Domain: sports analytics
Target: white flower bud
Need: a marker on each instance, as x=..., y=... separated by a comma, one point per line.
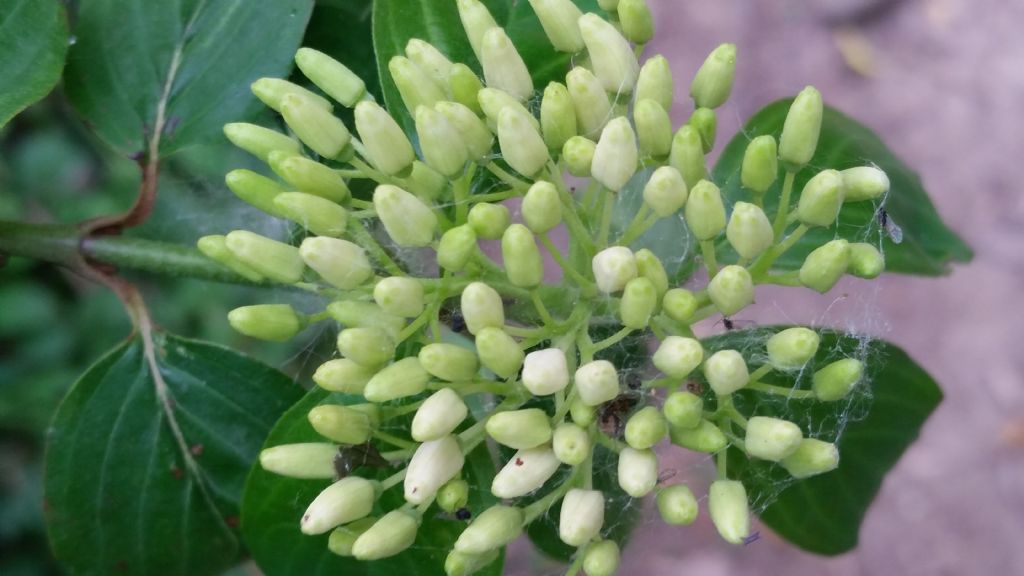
x=727, y=503
x=613, y=268
x=527, y=471
x=504, y=68
x=387, y=146
x=616, y=155
x=589, y=100
x=438, y=416
x=494, y=528
x=434, y=463
x=582, y=516
x=520, y=429
x=481, y=307
x=399, y=296
x=726, y=372
x=476, y=20
x=666, y=191
x=348, y=499
x=771, y=438
x=392, y=534
x=792, y=348
x=309, y=461
x=405, y=377
x=430, y=60
x=408, y=221
x=571, y=444
x=339, y=262
x=597, y=382
x=521, y=143
x=545, y=371
x=811, y=458
x=442, y=145
x=638, y=471
x=559, y=19
x=474, y=133
x=614, y=62
x=864, y=183
x=749, y=230
x=678, y=356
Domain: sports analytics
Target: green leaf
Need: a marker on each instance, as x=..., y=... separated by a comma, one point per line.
x=928, y=246
x=181, y=69
x=874, y=427
x=272, y=506
x=33, y=41
x=140, y=482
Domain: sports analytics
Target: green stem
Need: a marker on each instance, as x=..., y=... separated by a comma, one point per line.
x=609, y=442
x=783, y=210
x=781, y=391
x=394, y=479
x=607, y=209
x=362, y=236
x=461, y=193
x=611, y=340
x=707, y=249
x=765, y=261
x=560, y=259
x=393, y=440
x=538, y=303
x=507, y=178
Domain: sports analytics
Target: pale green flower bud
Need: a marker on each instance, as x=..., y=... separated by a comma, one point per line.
x=344, y=501
x=645, y=428
x=271, y=91
x=391, y=535
x=678, y=356
x=387, y=146
x=275, y=260
x=613, y=268
x=527, y=471
x=578, y=154
x=400, y=296
x=438, y=416
x=865, y=261
x=749, y=230
x=331, y=76
x=731, y=290
x=456, y=247
x=356, y=314
x=649, y=266
x=864, y=183
x=545, y=371
x=666, y=191
x=308, y=461
x=274, y=322
x=415, y=86
x=366, y=346
x=492, y=529
x=687, y=155
x=318, y=215
x=582, y=516
x=254, y=189
x=772, y=438
x=504, y=68
x=520, y=429
x=801, y=129
x=677, y=506
x=493, y=101
x=571, y=444
x=821, y=199
x=481, y=307
x=825, y=265
x=705, y=437
x=557, y=116
x=636, y=20
x=425, y=182
x=582, y=413
x=655, y=82
x=653, y=128
x=308, y=176
x=683, y=410
x=405, y=377
x=559, y=19
x=613, y=59
x=472, y=130
x=541, y=208
x=407, y=219
x=340, y=262
x=324, y=133
x=834, y=382
x=465, y=86
x=442, y=145
x=706, y=123
x=811, y=458
x=215, y=248
x=449, y=362
x=523, y=263
x=760, y=164
x=601, y=558
x=343, y=538
x=476, y=20
x=343, y=375
x=453, y=495
x=726, y=372
x=499, y=352
x=713, y=82
x=489, y=221
x=459, y=564
x=727, y=503
x=589, y=100
x=639, y=301
x=521, y=144
x=679, y=304
x=345, y=424
x=430, y=60
x=638, y=471
x=792, y=348
x=432, y=465
x=597, y=382
x=260, y=141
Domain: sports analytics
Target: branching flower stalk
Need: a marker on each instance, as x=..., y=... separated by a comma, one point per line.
x=606, y=126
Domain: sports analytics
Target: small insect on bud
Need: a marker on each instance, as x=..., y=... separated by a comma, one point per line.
x=582, y=414
x=353, y=313
x=655, y=82
x=589, y=100
x=726, y=372
x=442, y=145
x=865, y=261
x=489, y=221
x=318, y=215
x=459, y=564
x=343, y=538
x=771, y=438
x=824, y=266
x=472, y=130
x=792, y=348
x=687, y=156
x=275, y=260
x=465, y=86
x=679, y=304
x=864, y=183
x=648, y=266
x=438, y=416
x=259, y=141
x=493, y=101
x=449, y=361
x=645, y=428
x=453, y=495
x=343, y=375
x=571, y=444
x=834, y=382
x=366, y=346
x=520, y=429
x=476, y=21
x=215, y=248
x=316, y=127
x=481, y=307
x=545, y=371
x=712, y=84
x=821, y=199
x=811, y=458
x=434, y=463
x=582, y=516
x=683, y=410
x=613, y=59
x=399, y=296
x=653, y=127
x=559, y=19
x=527, y=471
x=578, y=154
x=705, y=212
x=613, y=268
x=340, y=262
x=636, y=20
x=760, y=164
x=271, y=91
x=346, y=500
x=390, y=535
x=557, y=117
x=727, y=503
x=638, y=471
x=523, y=263
x=274, y=322
x=665, y=192
x=309, y=461
x=749, y=230
x=415, y=86
x=706, y=123
x=255, y=189
x=639, y=301
x=345, y=424
x=597, y=382
x=521, y=144
x=492, y=529
x=504, y=68
x=677, y=506
x=705, y=437
x=731, y=290
x=801, y=129
x=309, y=176
x=677, y=356
x=499, y=352
x=430, y=60
x=456, y=247
x=387, y=146
x=408, y=221
x=542, y=209
x=405, y=377
x=331, y=76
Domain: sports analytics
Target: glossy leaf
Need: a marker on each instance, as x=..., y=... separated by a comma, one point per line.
x=138, y=482
x=33, y=41
x=192, y=60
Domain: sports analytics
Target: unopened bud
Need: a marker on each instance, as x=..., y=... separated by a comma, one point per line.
x=415, y=86
x=459, y=564
x=425, y=182
x=834, y=382
x=864, y=183
x=318, y=215
x=520, y=429
x=442, y=145
x=541, y=208
x=666, y=191
x=601, y=558
x=645, y=428
x=405, y=377
x=493, y=101
x=492, y=529
x=749, y=230
x=649, y=266
x=340, y=262
x=465, y=87
x=726, y=372
x=271, y=91
x=434, y=463
x=653, y=128
x=453, y=495
x=499, y=352
x=476, y=21
x=597, y=382
x=308, y=461
x=727, y=504
x=255, y=189
x=343, y=375
x=389, y=536
x=456, y=247
x=504, y=68
x=481, y=307
x=613, y=268
x=309, y=176
x=821, y=199
x=589, y=100
x=731, y=290
x=582, y=414
x=344, y=501
x=638, y=471
x=545, y=371
x=557, y=116
x=399, y=296
x=438, y=416
x=792, y=348
x=345, y=424
x=801, y=129
x=489, y=221
x=331, y=76
x=571, y=444
x=705, y=437
x=581, y=517
x=578, y=154
x=275, y=260
x=324, y=133
x=811, y=458
x=639, y=301
x=430, y=60
x=449, y=361
x=705, y=212
x=523, y=263
x=387, y=146
x=366, y=346
x=259, y=141
x=760, y=164
x=343, y=538
x=824, y=266
x=678, y=356
x=677, y=506
x=472, y=130
x=521, y=144
x=408, y=221
x=354, y=313
x=274, y=322
x=679, y=304
x=706, y=123
x=655, y=82
x=636, y=20
x=865, y=261
x=713, y=82
x=683, y=410
x=559, y=19
x=771, y=438
x=613, y=59
x=215, y=248
x=527, y=471
x=687, y=155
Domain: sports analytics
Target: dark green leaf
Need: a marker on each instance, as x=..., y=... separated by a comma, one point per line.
x=874, y=426
x=33, y=41
x=928, y=246
x=273, y=505
x=194, y=60
x=126, y=493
